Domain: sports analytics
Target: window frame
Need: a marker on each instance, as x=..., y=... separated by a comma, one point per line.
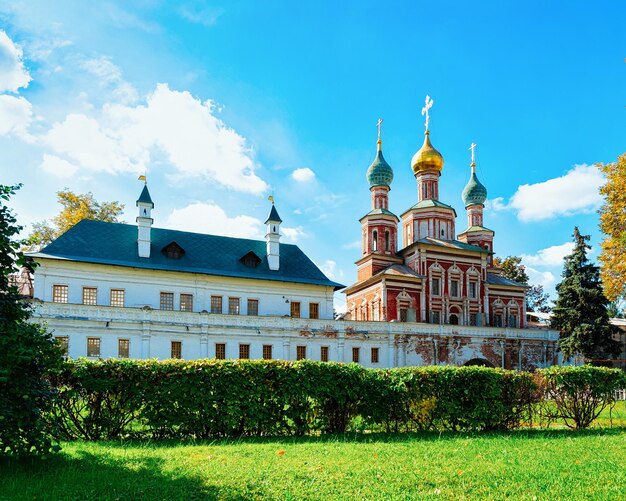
x=268, y=351
x=188, y=298
x=62, y=298
x=122, y=293
x=231, y=303
x=85, y=299
x=220, y=351
x=356, y=354
x=64, y=344
x=179, y=345
x=248, y=303
x=293, y=305
x=314, y=311
x=324, y=353
x=216, y=300
x=300, y=352
x=375, y=355
x=244, y=351
x=120, y=342
x=97, y=342
x=164, y=300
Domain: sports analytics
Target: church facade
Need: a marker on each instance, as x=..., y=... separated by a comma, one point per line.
x=135, y=291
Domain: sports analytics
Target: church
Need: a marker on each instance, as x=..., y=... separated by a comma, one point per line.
x=138, y=291
x=437, y=276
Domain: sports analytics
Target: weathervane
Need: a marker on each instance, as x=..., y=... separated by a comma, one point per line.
x=427, y=106
x=473, y=148
x=379, y=125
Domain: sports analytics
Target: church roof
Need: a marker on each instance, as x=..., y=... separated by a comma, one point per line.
x=477, y=228
x=378, y=212
x=424, y=204
x=273, y=216
x=450, y=244
x=380, y=172
x=398, y=271
x=115, y=244
x=494, y=279
x=145, y=196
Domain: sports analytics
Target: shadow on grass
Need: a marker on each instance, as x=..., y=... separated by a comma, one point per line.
x=379, y=437
x=88, y=476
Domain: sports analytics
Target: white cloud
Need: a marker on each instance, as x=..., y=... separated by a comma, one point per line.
x=303, y=175
x=110, y=76
x=495, y=204
x=212, y=219
x=293, y=234
x=551, y=256
x=329, y=268
x=13, y=74
x=58, y=167
x=15, y=116
x=575, y=192
x=545, y=278
x=124, y=138
x=355, y=244
x=200, y=14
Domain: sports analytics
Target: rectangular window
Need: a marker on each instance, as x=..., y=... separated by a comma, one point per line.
x=93, y=346
x=177, y=349
x=216, y=304
x=167, y=300
x=314, y=310
x=324, y=354
x=435, y=317
x=436, y=287
x=220, y=351
x=512, y=320
x=90, y=296
x=497, y=320
x=63, y=343
x=123, y=348
x=186, y=302
x=253, y=307
x=472, y=289
x=404, y=314
x=473, y=319
x=244, y=351
x=295, y=309
x=454, y=288
x=59, y=293
x=267, y=351
x=117, y=297
x=300, y=352
x=355, y=354
x=374, y=355
x=233, y=306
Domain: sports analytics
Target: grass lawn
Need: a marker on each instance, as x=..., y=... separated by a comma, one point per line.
x=525, y=464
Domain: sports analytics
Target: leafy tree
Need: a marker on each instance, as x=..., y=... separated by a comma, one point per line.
x=75, y=208
x=615, y=309
x=513, y=269
x=27, y=352
x=537, y=299
x=580, y=313
x=613, y=225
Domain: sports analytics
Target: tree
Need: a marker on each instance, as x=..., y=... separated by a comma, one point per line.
x=27, y=352
x=613, y=225
x=615, y=309
x=513, y=269
x=75, y=208
x=580, y=313
x=537, y=299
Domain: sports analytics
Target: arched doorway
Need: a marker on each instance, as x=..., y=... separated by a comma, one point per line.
x=481, y=362
x=454, y=320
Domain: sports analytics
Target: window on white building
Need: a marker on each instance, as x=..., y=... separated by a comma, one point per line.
x=90, y=295
x=324, y=353
x=253, y=307
x=374, y=355
x=314, y=310
x=356, y=352
x=123, y=348
x=93, y=346
x=167, y=300
x=63, y=342
x=117, y=297
x=295, y=309
x=267, y=351
x=233, y=306
x=59, y=293
x=177, y=349
x=186, y=302
x=244, y=351
x=220, y=351
x=216, y=304
x=300, y=352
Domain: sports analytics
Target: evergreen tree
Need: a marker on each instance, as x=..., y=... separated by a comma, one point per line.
x=27, y=352
x=580, y=313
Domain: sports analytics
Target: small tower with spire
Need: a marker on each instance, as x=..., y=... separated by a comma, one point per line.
x=428, y=218
x=379, y=227
x=272, y=238
x=144, y=220
x=474, y=196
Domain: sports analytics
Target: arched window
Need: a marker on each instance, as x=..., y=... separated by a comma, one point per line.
x=374, y=240
x=387, y=240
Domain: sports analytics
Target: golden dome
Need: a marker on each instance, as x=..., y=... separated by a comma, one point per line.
x=427, y=158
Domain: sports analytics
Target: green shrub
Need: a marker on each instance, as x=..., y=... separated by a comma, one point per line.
x=578, y=395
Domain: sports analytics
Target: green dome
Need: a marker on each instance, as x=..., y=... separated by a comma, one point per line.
x=380, y=172
x=474, y=192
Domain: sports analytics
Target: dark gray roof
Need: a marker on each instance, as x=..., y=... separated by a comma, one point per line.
x=145, y=196
x=116, y=244
x=273, y=216
x=494, y=279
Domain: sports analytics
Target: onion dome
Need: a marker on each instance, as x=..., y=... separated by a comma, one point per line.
x=474, y=192
x=380, y=172
x=427, y=158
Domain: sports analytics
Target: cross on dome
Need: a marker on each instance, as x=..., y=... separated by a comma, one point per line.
x=473, y=149
x=427, y=106
x=379, y=125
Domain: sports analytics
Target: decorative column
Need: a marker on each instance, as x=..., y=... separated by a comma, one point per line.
x=145, y=339
x=286, y=348
x=390, y=351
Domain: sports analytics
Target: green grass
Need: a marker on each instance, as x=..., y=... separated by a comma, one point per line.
x=526, y=464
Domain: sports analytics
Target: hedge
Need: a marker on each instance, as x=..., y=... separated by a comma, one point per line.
x=113, y=398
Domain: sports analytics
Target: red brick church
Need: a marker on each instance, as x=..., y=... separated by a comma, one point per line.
x=438, y=276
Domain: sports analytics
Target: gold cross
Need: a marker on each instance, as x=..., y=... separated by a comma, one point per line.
x=427, y=106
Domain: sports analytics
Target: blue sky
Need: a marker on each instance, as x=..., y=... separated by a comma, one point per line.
x=224, y=103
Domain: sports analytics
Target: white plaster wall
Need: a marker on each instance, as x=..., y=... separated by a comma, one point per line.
x=143, y=288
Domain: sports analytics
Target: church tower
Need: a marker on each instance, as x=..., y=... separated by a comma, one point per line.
x=428, y=218
x=144, y=220
x=379, y=227
x=474, y=196
x=272, y=238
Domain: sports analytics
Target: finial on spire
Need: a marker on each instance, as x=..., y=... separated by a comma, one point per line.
x=473, y=149
x=271, y=198
x=144, y=178
x=379, y=126
x=427, y=106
